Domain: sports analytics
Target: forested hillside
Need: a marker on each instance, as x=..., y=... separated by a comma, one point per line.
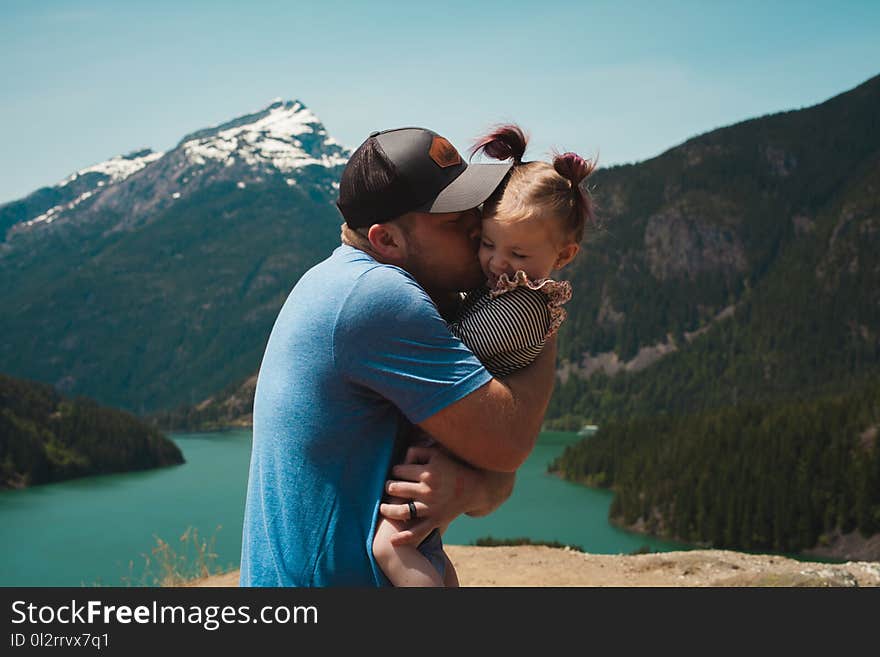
x=45, y=437
x=741, y=265
x=159, y=287
x=753, y=476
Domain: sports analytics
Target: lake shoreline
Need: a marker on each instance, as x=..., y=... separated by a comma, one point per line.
x=836, y=547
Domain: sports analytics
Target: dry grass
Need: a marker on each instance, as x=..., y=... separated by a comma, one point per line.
x=192, y=558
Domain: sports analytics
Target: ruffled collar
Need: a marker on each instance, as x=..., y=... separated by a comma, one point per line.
x=557, y=293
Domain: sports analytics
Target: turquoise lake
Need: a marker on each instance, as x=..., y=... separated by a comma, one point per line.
x=99, y=530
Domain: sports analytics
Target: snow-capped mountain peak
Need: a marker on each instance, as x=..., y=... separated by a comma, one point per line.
x=117, y=168
x=85, y=183
x=284, y=141
x=285, y=136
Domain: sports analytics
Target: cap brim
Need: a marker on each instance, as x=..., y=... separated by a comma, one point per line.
x=472, y=187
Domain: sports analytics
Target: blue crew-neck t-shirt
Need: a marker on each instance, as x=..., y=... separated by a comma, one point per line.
x=357, y=349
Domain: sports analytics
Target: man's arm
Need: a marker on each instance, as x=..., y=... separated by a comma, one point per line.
x=495, y=427
x=443, y=487
x=420, y=367
x=492, y=490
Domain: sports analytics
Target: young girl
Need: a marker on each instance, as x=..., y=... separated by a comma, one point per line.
x=532, y=225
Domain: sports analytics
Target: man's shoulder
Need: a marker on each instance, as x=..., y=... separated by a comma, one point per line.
x=365, y=291
x=373, y=280
x=347, y=272
x=352, y=263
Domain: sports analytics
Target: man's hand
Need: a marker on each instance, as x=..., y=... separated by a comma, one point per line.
x=441, y=488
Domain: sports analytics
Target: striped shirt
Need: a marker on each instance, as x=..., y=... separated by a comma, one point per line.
x=506, y=333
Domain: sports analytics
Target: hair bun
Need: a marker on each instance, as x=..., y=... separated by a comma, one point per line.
x=573, y=167
x=503, y=143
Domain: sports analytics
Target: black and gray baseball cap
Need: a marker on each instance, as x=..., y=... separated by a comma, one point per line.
x=411, y=170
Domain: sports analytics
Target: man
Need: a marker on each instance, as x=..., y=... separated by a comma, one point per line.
x=359, y=349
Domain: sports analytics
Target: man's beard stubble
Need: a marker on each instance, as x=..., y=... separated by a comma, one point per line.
x=437, y=281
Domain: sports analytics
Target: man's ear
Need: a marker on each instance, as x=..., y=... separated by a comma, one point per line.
x=388, y=241
x=566, y=255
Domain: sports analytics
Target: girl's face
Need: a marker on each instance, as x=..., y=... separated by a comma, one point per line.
x=531, y=245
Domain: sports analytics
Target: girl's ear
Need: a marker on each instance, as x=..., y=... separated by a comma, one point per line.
x=388, y=241
x=566, y=255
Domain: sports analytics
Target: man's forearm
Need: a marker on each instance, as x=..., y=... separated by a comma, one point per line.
x=532, y=387
x=493, y=489
x=495, y=426
x=478, y=492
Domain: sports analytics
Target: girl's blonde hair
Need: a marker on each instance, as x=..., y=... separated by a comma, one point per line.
x=539, y=188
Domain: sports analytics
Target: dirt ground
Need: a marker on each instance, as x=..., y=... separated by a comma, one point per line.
x=544, y=566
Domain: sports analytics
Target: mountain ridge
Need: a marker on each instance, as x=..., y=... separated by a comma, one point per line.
x=696, y=238
x=687, y=268
x=774, y=197
x=125, y=291
x=284, y=137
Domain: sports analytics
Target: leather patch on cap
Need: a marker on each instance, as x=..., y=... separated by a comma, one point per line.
x=444, y=153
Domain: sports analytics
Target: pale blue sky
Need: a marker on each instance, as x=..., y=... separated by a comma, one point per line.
x=83, y=81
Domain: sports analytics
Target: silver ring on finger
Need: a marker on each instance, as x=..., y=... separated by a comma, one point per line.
x=413, y=512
